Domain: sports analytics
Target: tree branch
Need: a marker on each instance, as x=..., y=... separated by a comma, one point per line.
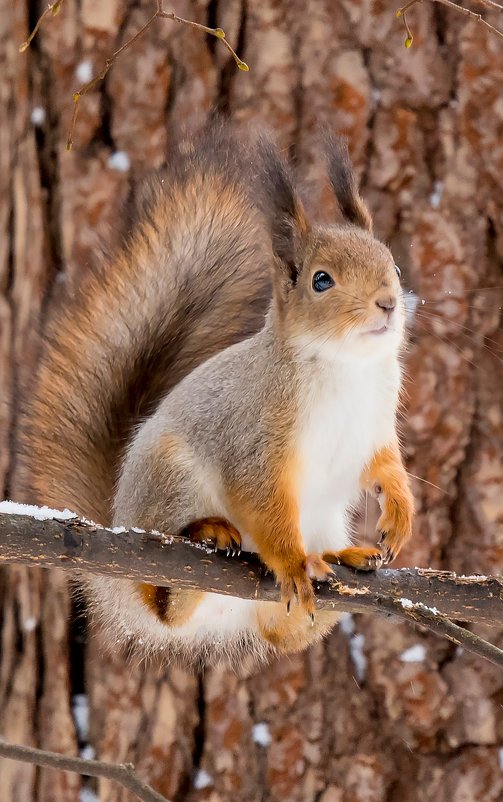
x=123, y=773
x=429, y=617
x=159, y=13
x=425, y=596
x=401, y=14
x=55, y=8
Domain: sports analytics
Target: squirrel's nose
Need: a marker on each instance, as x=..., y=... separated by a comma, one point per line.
x=386, y=303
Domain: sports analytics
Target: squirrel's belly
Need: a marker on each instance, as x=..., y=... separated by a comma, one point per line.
x=326, y=496
x=333, y=449
x=323, y=524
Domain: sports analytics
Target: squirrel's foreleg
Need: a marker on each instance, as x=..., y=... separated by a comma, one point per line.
x=386, y=479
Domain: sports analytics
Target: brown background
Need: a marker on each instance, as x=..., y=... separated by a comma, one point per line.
x=429, y=730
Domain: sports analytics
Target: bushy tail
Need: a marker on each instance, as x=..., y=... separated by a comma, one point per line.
x=191, y=279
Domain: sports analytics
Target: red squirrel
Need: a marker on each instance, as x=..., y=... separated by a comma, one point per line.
x=233, y=374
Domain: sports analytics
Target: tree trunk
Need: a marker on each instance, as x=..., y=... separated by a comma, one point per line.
x=353, y=719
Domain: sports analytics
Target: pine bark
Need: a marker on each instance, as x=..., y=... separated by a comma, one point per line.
x=425, y=129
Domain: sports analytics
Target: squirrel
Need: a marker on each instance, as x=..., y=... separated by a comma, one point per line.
x=233, y=374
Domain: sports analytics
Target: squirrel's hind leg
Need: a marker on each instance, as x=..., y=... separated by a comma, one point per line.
x=173, y=607
x=160, y=488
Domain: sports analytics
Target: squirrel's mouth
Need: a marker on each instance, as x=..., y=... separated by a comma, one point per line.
x=380, y=330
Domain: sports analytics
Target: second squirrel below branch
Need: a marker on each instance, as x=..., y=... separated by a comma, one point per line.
x=173, y=395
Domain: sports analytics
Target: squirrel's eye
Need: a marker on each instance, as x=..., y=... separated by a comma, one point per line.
x=398, y=271
x=322, y=281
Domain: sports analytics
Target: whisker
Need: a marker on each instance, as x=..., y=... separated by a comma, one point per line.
x=451, y=344
x=420, y=479
x=355, y=297
x=494, y=350
x=350, y=329
x=449, y=295
x=447, y=320
x=320, y=340
x=352, y=317
x=460, y=300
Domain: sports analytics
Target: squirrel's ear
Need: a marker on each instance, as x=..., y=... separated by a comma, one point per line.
x=342, y=178
x=283, y=208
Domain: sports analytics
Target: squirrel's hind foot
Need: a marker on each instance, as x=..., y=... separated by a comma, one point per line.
x=218, y=531
x=358, y=557
x=300, y=585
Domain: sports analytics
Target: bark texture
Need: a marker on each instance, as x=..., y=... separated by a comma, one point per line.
x=165, y=560
x=426, y=132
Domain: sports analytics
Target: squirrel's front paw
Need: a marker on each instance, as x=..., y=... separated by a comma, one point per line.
x=299, y=582
x=395, y=524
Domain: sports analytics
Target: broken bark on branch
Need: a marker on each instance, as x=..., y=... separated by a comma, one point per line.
x=425, y=596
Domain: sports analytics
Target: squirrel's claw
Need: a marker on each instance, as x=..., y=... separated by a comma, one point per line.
x=394, y=527
x=362, y=559
x=317, y=568
x=390, y=542
x=388, y=554
x=299, y=584
x=217, y=531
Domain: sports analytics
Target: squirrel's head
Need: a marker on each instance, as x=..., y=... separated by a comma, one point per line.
x=337, y=288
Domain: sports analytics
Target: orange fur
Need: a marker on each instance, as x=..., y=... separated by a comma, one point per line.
x=273, y=522
x=173, y=607
x=215, y=530
x=386, y=479
x=292, y=631
x=363, y=559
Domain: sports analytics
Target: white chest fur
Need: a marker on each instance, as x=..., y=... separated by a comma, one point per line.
x=348, y=413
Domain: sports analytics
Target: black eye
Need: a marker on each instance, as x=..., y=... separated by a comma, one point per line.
x=398, y=271
x=322, y=281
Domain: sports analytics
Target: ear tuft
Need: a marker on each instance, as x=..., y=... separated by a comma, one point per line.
x=342, y=178
x=283, y=208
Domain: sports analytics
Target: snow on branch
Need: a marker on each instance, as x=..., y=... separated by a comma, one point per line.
x=44, y=537
x=47, y=538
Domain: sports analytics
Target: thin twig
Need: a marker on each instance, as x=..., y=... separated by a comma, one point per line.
x=122, y=773
x=92, y=83
x=55, y=8
x=468, y=13
x=159, y=13
x=430, y=618
x=491, y=4
x=401, y=14
x=219, y=33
